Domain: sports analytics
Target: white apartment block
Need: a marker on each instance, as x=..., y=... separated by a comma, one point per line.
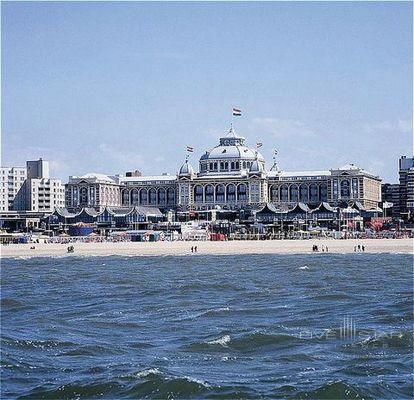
x=30, y=188
x=43, y=194
x=12, y=190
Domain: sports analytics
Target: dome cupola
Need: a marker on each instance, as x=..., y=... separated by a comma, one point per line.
x=186, y=169
x=231, y=156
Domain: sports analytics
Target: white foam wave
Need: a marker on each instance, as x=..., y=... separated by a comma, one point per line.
x=146, y=372
x=223, y=341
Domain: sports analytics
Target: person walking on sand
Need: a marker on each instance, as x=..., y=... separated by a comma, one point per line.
x=355, y=249
x=195, y=249
x=192, y=249
x=359, y=247
x=363, y=248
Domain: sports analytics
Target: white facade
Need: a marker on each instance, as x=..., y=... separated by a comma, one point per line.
x=12, y=193
x=92, y=191
x=231, y=176
x=44, y=195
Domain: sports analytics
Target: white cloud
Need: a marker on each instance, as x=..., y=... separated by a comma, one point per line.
x=281, y=128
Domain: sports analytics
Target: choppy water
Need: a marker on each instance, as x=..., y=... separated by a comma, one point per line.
x=207, y=327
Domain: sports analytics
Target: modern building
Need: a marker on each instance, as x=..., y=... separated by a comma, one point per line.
x=391, y=198
x=406, y=175
x=26, y=194
x=12, y=190
x=43, y=194
x=231, y=176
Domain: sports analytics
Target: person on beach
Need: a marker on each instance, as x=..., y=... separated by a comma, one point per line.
x=195, y=249
x=355, y=249
x=192, y=249
x=363, y=248
x=359, y=247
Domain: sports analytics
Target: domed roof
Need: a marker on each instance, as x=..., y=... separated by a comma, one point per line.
x=256, y=167
x=186, y=169
x=231, y=147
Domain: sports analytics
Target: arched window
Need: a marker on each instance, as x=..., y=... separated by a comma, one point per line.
x=221, y=165
x=134, y=197
x=242, y=192
x=274, y=193
x=226, y=165
x=323, y=192
x=284, y=193
x=170, y=196
x=294, y=193
x=303, y=193
x=215, y=166
x=209, y=193
x=244, y=165
x=237, y=165
x=313, y=189
x=220, y=193
x=232, y=165
x=125, y=197
x=345, y=188
x=152, y=197
x=161, y=197
x=231, y=192
x=143, y=197
x=198, y=194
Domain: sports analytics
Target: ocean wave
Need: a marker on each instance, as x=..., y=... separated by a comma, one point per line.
x=147, y=383
x=333, y=390
x=249, y=342
x=35, y=344
x=206, y=313
x=399, y=339
x=90, y=350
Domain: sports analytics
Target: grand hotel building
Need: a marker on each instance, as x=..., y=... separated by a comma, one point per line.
x=231, y=176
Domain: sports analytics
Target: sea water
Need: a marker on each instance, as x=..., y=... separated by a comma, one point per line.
x=250, y=326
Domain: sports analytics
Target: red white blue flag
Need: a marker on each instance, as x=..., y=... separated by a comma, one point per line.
x=190, y=149
x=236, y=112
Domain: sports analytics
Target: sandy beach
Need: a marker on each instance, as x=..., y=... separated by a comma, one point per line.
x=219, y=248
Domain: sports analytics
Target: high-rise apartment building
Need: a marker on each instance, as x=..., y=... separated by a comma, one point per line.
x=43, y=193
x=12, y=190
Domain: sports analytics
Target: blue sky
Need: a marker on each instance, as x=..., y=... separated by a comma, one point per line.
x=110, y=87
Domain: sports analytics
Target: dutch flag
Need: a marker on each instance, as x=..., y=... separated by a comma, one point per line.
x=236, y=112
x=259, y=144
x=190, y=149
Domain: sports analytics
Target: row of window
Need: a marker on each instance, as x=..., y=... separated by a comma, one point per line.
x=224, y=165
x=302, y=193
x=148, y=197
x=220, y=193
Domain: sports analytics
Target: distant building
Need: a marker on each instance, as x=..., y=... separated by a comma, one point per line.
x=92, y=191
x=391, y=198
x=231, y=176
x=133, y=173
x=43, y=194
x=406, y=174
x=12, y=190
